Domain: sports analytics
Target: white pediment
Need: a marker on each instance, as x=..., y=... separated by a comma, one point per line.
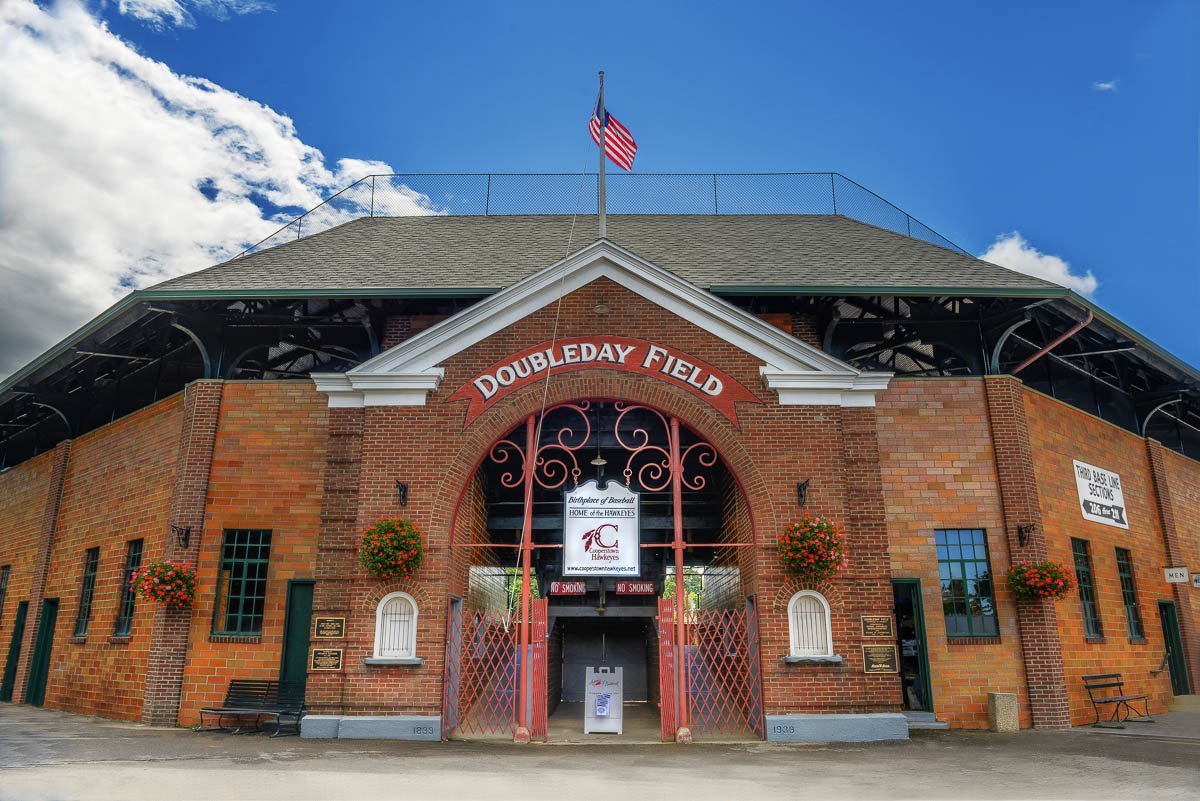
x=799, y=373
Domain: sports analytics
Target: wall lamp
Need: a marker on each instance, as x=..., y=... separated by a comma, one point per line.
x=802, y=492
x=402, y=492
x=183, y=535
x=1024, y=532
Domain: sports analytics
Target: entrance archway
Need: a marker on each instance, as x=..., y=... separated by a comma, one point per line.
x=690, y=660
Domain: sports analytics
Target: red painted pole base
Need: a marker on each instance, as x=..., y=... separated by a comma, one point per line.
x=683, y=736
x=521, y=735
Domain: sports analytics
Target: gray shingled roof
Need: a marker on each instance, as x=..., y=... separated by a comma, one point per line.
x=399, y=253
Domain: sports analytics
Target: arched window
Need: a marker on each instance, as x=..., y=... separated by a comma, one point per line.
x=808, y=623
x=396, y=627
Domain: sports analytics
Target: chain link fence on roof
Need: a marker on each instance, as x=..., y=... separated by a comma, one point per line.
x=506, y=194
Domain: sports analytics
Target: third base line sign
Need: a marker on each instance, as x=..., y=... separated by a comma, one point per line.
x=1100, y=497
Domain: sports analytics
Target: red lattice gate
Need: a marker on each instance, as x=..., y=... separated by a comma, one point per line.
x=482, y=668
x=723, y=690
x=481, y=672
x=538, y=643
x=666, y=669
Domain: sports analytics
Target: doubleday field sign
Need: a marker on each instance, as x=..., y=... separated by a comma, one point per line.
x=601, y=531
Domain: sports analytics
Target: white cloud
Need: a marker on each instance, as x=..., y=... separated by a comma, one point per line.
x=1011, y=250
x=103, y=155
x=1104, y=86
x=178, y=13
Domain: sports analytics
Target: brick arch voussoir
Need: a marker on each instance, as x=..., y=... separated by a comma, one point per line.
x=370, y=600
x=505, y=416
x=832, y=591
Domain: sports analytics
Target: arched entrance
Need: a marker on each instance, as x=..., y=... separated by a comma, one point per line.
x=540, y=570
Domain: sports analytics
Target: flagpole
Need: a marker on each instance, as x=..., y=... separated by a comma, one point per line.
x=603, y=127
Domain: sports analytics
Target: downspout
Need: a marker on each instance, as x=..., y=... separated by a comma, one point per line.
x=1084, y=323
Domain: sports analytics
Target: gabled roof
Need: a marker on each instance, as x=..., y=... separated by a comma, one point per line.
x=802, y=253
x=799, y=372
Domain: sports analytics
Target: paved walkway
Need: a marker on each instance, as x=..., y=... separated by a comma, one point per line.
x=53, y=755
x=1181, y=723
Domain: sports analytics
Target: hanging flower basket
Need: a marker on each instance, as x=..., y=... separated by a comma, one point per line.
x=813, y=549
x=392, y=548
x=1033, y=581
x=171, y=584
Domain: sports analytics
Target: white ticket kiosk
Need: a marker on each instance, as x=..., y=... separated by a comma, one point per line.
x=604, y=700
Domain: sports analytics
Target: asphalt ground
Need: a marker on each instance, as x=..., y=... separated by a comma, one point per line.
x=53, y=755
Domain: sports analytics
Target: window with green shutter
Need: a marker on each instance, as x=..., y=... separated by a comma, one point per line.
x=91, y=561
x=968, y=600
x=1087, y=588
x=1133, y=615
x=242, y=582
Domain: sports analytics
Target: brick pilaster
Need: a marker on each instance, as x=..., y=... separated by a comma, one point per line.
x=400, y=327
x=1041, y=645
x=41, y=568
x=869, y=577
x=807, y=329
x=1176, y=555
x=396, y=329
x=169, y=633
x=336, y=545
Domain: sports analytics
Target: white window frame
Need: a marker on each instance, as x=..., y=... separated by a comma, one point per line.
x=412, y=644
x=794, y=648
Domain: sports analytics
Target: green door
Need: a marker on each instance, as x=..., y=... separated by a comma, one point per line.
x=916, y=693
x=39, y=668
x=14, y=652
x=1175, y=661
x=296, y=627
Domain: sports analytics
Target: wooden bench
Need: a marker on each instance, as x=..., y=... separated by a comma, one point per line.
x=1099, y=685
x=258, y=701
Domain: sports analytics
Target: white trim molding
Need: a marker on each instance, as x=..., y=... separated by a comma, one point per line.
x=798, y=372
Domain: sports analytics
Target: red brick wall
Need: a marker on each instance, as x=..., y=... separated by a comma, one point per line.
x=1059, y=434
x=23, y=491
x=939, y=472
x=118, y=488
x=1182, y=491
x=267, y=471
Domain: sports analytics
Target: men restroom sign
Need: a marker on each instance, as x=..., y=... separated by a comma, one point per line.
x=601, y=531
x=1100, y=497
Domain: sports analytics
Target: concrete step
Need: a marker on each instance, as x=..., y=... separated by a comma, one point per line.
x=924, y=721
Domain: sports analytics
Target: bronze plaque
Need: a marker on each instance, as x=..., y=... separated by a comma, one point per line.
x=326, y=659
x=880, y=659
x=877, y=626
x=329, y=628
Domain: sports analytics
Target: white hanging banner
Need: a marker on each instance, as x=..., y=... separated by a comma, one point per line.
x=1100, y=496
x=601, y=531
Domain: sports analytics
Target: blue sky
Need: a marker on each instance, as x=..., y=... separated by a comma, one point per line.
x=1072, y=123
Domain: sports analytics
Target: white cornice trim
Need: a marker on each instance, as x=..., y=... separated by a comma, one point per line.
x=799, y=372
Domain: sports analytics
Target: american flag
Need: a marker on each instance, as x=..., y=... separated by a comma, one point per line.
x=618, y=142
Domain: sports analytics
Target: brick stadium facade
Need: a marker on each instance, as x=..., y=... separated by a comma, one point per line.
x=895, y=459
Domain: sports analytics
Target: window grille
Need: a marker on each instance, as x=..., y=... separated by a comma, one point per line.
x=242, y=582
x=90, y=562
x=396, y=627
x=1133, y=615
x=133, y=560
x=1087, y=588
x=968, y=599
x=808, y=623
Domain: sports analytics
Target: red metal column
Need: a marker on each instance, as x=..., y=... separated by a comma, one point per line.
x=683, y=734
x=521, y=735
